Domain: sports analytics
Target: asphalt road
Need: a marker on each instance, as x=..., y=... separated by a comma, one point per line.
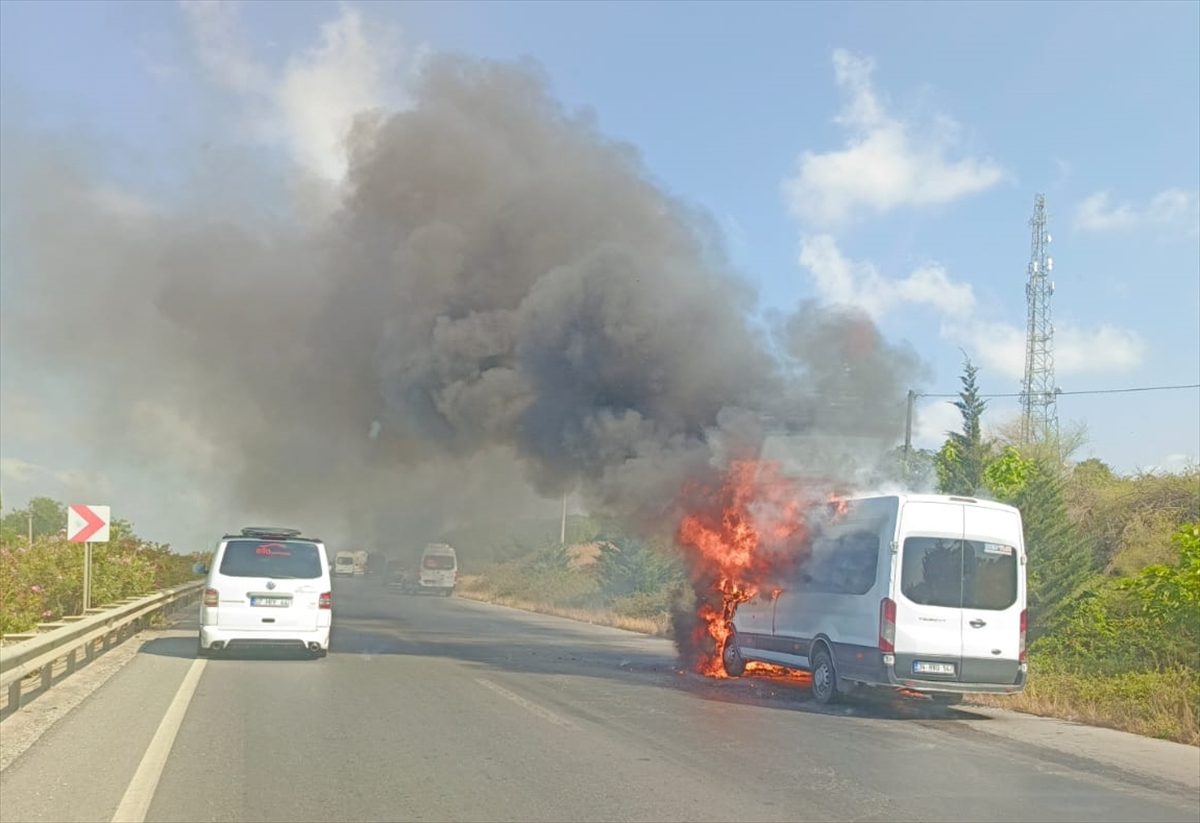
x=444, y=709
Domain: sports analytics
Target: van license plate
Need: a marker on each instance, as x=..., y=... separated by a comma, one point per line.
x=921, y=667
x=270, y=601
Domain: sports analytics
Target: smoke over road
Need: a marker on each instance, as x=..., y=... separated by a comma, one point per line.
x=500, y=286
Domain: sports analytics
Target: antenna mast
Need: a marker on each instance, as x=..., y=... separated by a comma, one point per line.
x=1039, y=395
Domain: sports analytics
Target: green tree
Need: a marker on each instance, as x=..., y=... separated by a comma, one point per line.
x=627, y=566
x=1060, y=561
x=1093, y=472
x=962, y=459
x=49, y=518
x=1008, y=473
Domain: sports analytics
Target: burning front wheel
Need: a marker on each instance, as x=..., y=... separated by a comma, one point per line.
x=731, y=658
x=824, y=677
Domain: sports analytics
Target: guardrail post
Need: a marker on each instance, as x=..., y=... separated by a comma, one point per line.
x=14, y=694
x=47, y=676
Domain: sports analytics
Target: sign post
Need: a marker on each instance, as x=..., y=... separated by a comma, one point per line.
x=88, y=525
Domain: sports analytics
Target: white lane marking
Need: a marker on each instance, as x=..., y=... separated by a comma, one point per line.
x=528, y=705
x=136, y=802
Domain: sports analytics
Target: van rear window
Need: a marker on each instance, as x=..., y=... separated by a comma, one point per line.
x=959, y=573
x=258, y=558
x=441, y=562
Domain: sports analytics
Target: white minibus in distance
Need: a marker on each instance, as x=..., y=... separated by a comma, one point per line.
x=439, y=569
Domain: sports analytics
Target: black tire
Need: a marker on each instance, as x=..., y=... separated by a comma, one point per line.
x=824, y=677
x=447, y=592
x=731, y=657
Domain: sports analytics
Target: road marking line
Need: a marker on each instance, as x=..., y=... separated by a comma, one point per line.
x=528, y=705
x=136, y=801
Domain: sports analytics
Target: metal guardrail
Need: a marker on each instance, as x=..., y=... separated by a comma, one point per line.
x=40, y=654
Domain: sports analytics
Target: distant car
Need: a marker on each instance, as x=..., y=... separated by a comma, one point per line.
x=439, y=569
x=267, y=587
x=343, y=564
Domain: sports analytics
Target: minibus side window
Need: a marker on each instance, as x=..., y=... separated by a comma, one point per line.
x=847, y=564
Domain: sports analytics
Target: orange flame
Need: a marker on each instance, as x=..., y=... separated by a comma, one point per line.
x=741, y=535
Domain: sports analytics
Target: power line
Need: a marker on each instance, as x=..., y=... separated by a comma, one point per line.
x=1086, y=391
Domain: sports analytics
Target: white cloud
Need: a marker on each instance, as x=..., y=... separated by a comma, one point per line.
x=886, y=163
x=1170, y=207
x=998, y=346
x=931, y=421
x=1077, y=351
x=841, y=280
x=23, y=480
x=322, y=90
x=308, y=105
x=216, y=28
x=16, y=470
x=1175, y=463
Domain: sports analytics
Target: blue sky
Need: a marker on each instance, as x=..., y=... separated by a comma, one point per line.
x=881, y=154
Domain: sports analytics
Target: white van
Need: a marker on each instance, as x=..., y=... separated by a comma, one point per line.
x=343, y=564
x=267, y=587
x=923, y=592
x=439, y=569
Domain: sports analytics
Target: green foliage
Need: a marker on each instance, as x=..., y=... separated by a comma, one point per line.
x=49, y=518
x=1060, y=562
x=1093, y=472
x=962, y=459
x=626, y=566
x=1128, y=521
x=45, y=581
x=1148, y=620
x=1008, y=474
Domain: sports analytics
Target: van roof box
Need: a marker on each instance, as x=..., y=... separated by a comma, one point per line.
x=268, y=532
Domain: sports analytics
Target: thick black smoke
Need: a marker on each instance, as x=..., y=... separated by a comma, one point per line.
x=501, y=286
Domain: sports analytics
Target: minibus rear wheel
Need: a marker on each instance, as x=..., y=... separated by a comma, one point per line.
x=824, y=676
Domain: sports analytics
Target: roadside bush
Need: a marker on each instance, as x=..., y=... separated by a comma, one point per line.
x=1145, y=622
x=44, y=582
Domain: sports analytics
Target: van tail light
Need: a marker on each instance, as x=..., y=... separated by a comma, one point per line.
x=1024, y=629
x=211, y=598
x=887, y=625
x=326, y=601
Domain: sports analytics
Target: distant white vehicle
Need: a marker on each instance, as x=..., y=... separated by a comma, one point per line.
x=439, y=569
x=924, y=592
x=343, y=564
x=267, y=587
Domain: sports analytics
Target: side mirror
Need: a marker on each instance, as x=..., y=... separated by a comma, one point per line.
x=200, y=568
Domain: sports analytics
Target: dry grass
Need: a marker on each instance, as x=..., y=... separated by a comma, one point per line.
x=1163, y=704
x=472, y=588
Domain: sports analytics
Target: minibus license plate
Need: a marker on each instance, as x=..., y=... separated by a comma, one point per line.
x=270, y=601
x=921, y=667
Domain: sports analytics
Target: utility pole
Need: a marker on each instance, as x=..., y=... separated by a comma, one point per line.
x=562, y=532
x=29, y=518
x=1039, y=395
x=912, y=396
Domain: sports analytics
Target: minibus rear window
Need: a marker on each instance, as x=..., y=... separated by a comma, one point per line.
x=954, y=573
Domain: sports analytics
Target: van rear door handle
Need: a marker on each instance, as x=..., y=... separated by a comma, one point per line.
x=977, y=623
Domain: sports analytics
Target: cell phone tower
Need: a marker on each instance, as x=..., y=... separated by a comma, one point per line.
x=1039, y=395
